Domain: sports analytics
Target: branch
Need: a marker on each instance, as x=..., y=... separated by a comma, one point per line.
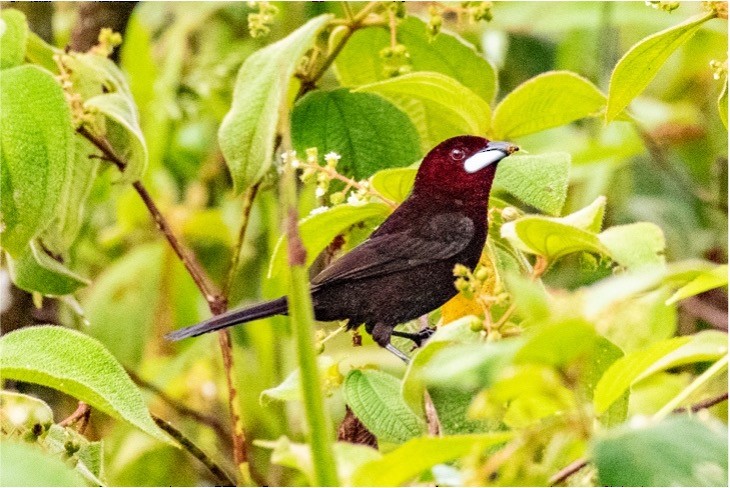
x=221, y=477
x=179, y=407
x=704, y=404
x=248, y=199
x=81, y=416
x=698, y=308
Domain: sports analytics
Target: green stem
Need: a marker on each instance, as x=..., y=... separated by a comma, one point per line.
x=716, y=368
x=302, y=319
x=248, y=199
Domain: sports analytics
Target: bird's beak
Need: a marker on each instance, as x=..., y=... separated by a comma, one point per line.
x=493, y=153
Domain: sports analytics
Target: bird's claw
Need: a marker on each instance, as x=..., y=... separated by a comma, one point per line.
x=398, y=353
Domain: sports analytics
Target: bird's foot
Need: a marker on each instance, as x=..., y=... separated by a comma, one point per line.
x=398, y=353
x=417, y=337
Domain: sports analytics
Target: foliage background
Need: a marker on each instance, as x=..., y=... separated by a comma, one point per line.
x=181, y=61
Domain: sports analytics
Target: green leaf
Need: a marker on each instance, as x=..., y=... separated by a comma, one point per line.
x=558, y=344
x=290, y=389
x=247, y=133
x=368, y=131
x=641, y=63
x=548, y=100
x=439, y=106
x=37, y=151
x=41, y=53
x=13, y=37
x=448, y=54
x=632, y=368
x=707, y=280
x=722, y=104
x=78, y=365
x=94, y=74
x=394, y=183
x=125, y=298
x=319, y=229
x=679, y=451
x=298, y=456
x=119, y=124
x=539, y=180
x=26, y=465
x=635, y=245
x=35, y=270
x=417, y=455
x=375, y=399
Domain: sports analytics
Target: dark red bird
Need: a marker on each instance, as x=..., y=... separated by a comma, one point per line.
x=405, y=268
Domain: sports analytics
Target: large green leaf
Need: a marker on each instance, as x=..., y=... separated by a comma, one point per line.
x=438, y=105
x=641, y=63
x=368, y=131
x=679, y=451
x=35, y=270
x=394, y=183
x=548, y=100
x=13, y=36
x=417, y=455
x=121, y=305
x=539, y=180
x=448, y=54
x=317, y=231
x=37, y=151
x=78, y=365
x=247, y=133
x=635, y=245
x=375, y=399
x=670, y=353
x=26, y=465
x=119, y=124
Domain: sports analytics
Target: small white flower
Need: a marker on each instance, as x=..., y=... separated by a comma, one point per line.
x=332, y=155
x=319, y=210
x=319, y=192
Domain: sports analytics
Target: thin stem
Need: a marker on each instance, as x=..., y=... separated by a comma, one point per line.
x=348, y=11
x=710, y=402
x=568, y=471
x=220, y=476
x=80, y=415
x=393, y=29
x=719, y=366
x=179, y=407
x=302, y=319
x=248, y=199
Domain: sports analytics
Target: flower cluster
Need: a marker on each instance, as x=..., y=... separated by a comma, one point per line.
x=396, y=60
x=259, y=23
x=662, y=5
x=719, y=69
x=483, y=287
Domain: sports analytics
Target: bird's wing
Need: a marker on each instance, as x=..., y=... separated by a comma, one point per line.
x=434, y=239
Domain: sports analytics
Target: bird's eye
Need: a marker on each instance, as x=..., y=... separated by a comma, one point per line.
x=457, y=154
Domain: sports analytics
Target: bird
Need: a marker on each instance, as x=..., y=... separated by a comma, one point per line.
x=404, y=269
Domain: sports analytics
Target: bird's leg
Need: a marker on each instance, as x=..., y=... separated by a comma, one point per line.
x=417, y=337
x=381, y=334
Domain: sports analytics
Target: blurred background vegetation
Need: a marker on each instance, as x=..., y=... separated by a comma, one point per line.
x=181, y=61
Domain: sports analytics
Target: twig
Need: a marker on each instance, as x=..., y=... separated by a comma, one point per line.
x=700, y=309
x=348, y=11
x=179, y=407
x=432, y=418
x=221, y=477
x=248, y=199
x=80, y=415
x=579, y=464
x=568, y=471
x=710, y=402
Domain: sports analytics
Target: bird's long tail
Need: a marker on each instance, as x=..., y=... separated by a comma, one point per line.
x=232, y=317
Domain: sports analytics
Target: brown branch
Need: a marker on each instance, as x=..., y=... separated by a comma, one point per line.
x=221, y=477
x=579, y=464
x=179, y=407
x=93, y=17
x=704, y=404
x=80, y=415
x=568, y=471
x=700, y=309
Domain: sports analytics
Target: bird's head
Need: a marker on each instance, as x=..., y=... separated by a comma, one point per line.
x=462, y=167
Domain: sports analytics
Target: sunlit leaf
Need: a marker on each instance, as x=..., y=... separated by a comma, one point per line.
x=368, y=131
x=78, y=365
x=394, y=183
x=635, y=70
x=708, y=280
x=679, y=451
x=417, y=455
x=635, y=245
x=318, y=230
x=13, y=36
x=703, y=346
x=37, y=152
x=375, y=399
x=247, y=133
x=438, y=105
x=539, y=180
x=290, y=388
x=548, y=100
x=448, y=54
